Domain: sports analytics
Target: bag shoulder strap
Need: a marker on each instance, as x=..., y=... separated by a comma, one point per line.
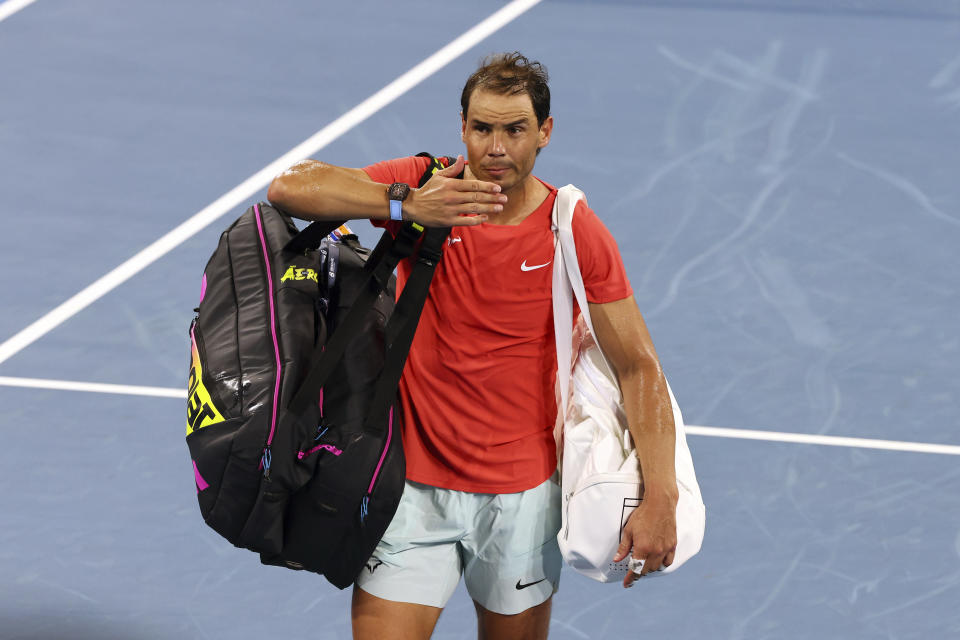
x=403, y=321
x=434, y=165
x=402, y=325
x=567, y=286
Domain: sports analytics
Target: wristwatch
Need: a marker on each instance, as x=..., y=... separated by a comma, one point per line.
x=397, y=193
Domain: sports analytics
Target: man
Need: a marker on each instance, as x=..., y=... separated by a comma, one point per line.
x=478, y=387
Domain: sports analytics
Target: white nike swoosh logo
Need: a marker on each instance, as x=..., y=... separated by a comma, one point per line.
x=524, y=266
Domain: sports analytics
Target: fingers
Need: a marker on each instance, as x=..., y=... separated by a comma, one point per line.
x=477, y=186
x=645, y=555
x=473, y=201
x=471, y=205
x=623, y=550
x=447, y=201
x=635, y=567
x=626, y=543
x=467, y=221
x=668, y=559
x=456, y=169
x=640, y=565
x=652, y=564
x=453, y=170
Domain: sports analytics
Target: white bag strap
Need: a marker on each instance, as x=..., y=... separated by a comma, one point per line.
x=567, y=280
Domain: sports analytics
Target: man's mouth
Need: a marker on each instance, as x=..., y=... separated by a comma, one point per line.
x=497, y=171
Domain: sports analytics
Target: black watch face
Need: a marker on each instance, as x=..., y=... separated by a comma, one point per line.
x=399, y=191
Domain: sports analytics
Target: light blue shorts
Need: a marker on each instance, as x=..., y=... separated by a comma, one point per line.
x=505, y=546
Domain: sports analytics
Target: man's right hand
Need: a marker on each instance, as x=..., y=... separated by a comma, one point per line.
x=446, y=201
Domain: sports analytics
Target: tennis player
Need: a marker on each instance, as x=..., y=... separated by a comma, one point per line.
x=482, y=500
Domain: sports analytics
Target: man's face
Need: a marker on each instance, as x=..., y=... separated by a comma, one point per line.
x=502, y=137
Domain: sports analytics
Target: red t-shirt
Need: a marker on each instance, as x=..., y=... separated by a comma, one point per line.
x=478, y=387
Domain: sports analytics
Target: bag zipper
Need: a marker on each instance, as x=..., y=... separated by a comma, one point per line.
x=364, y=504
x=211, y=385
x=267, y=454
x=306, y=449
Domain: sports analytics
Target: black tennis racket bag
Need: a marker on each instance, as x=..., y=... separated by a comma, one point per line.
x=256, y=327
x=297, y=350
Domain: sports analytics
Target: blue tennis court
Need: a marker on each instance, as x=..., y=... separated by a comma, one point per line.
x=781, y=178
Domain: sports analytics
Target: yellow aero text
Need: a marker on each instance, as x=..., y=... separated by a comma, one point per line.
x=201, y=412
x=293, y=272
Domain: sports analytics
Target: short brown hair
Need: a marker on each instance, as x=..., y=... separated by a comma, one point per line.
x=511, y=74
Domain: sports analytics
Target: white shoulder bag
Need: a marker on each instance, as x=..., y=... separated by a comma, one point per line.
x=599, y=469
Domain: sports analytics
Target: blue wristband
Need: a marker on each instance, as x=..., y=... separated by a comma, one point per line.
x=396, y=210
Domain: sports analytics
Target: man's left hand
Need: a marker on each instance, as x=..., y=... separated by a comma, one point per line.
x=649, y=535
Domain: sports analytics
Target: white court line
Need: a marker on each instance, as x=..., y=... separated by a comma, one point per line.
x=716, y=432
x=93, y=387
x=10, y=7
x=262, y=178
x=830, y=441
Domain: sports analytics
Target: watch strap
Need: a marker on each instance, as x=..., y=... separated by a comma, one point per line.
x=396, y=210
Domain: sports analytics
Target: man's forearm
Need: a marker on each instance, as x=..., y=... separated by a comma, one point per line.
x=318, y=191
x=623, y=336
x=315, y=190
x=650, y=416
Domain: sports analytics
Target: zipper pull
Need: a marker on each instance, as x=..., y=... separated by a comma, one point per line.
x=364, y=508
x=310, y=440
x=265, y=462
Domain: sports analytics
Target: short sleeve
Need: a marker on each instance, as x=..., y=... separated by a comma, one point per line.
x=604, y=276
x=407, y=170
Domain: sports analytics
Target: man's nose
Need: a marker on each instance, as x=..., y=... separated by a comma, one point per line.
x=496, y=145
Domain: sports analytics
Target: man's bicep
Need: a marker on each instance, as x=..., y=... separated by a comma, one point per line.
x=360, y=174
x=622, y=334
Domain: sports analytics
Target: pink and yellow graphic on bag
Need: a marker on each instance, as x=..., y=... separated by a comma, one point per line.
x=201, y=412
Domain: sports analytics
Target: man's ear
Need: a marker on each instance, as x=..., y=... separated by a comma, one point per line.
x=546, y=129
x=463, y=128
